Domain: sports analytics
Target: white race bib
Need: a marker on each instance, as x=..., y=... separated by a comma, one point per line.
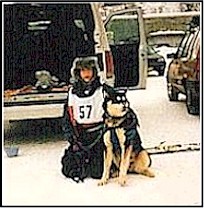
x=88, y=109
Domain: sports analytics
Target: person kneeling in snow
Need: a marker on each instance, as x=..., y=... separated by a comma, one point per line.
x=83, y=122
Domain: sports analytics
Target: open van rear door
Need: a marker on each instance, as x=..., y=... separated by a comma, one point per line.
x=126, y=35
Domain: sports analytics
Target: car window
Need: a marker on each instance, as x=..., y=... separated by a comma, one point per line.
x=192, y=47
x=196, y=47
x=186, y=47
x=182, y=44
x=124, y=29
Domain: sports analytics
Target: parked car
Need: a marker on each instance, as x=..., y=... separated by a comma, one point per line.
x=156, y=62
x=183, y=71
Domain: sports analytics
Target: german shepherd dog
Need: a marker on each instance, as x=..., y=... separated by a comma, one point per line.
x=123, y=151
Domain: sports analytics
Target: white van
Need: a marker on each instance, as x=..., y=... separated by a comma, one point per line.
x=49, y=37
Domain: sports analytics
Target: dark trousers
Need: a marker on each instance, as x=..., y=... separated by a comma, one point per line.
x=92, y=141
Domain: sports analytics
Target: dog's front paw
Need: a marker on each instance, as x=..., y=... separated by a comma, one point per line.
x=148, y=172
x=122, y=180
x=103, y=181
x=151, y=174
x=115, y=174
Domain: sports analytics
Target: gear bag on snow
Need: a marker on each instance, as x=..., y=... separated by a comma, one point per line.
x=75, y=165
x=87, y=161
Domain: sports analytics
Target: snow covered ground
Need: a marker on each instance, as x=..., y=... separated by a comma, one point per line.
x=34, y=177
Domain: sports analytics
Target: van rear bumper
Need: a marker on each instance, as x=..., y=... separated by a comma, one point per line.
x=12, y=113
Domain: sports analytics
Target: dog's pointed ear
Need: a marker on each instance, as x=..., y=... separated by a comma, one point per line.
x=108, y=90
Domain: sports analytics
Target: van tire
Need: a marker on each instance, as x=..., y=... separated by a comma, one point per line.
x=173, y=93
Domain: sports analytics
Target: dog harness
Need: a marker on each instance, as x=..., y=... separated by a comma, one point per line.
x=129, y=124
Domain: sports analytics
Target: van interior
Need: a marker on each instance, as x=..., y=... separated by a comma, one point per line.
x=44, y=37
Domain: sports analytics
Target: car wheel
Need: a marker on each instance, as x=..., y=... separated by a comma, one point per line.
x=192, y=97
x=172, y=93
x=161, y=70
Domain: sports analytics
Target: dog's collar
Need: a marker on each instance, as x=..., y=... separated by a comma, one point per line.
x=107, y=115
